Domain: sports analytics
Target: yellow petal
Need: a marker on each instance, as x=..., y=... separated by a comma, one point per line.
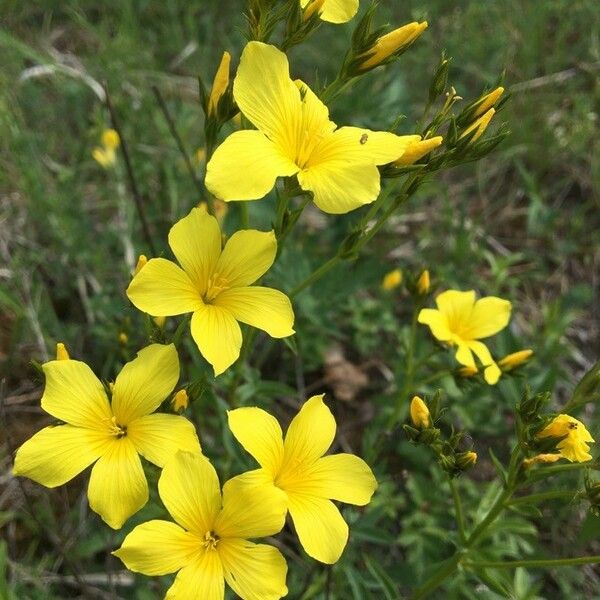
x=220, y=83
x=163, y=289
x=339, y=11
x=196, y=242
x=218, y=336
x=260, y=435
x=482, y=352
x=55, y=455
x=341, y=477
x=189, y=488
x=202, y=578
x=438, y=323
x=253, y=571
x=145, y=382
x=321, y=529
x=158, y=437
x=492, y=374
x=267, y=96
x=118, y=486
x=245, y=167
x=489, y=316
x=261, y=307
x=251, y=512
x=158, y=548
x=464, y=355
x=248, y=255
x=456, y=306
x=74, y=394
x=310, y=433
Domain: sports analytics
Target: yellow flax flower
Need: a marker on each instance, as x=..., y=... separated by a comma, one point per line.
x=419, y=413
x=461, y=320
x=479, y=126
x=418, y=150
x=208, y=545
x=393, y=42
x=294, y=136
x=297, y=470
x=214, y=285
x=332, y=11
x=110, y=434
x=220, y=84
x=105, y=155
x=392, y=280
x=575, y=446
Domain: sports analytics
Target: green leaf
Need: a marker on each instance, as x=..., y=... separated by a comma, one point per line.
x=386, y=583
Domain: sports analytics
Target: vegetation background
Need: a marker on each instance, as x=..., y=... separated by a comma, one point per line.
x=523, y=224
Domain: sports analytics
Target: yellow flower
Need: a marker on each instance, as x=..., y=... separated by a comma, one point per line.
x=180, y=401
x=479, y=126
x=215, y=285
x=461, y=320
x=488, y=101
x=423, y=283
x=392, y=280
x=106, y=155
x=109, y=434
x=208, y=544
x=297, y=470
x=393, y=42
x=294, y=136
x=575, y=446
x=541, y=459
x=220, y=84
x=61, y=352
x=511, y=361
x=110, y=139
x=418, y=150
x=419, y=413
x=333, y=11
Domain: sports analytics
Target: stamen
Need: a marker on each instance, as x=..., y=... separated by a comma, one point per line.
x=211, y=540
x=216, y=284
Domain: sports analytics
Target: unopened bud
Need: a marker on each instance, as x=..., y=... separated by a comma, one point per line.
x=423, y=283
x=180, y=401
x=478, y=127
x=544, y=458
x=141, y=263
x=511, y=361
x=110, y=139
x=418, y=150
x=466, y=460
x=62, y=352
x=488, y=101
x=440, y=80
x=220, y=84
x=123, y=338
x=392, y=280
x=419, y=413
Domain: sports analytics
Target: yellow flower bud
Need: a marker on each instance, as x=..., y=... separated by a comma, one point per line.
x=141, y=263
x=468, y=371
x=123, y=338
x=392, y=42
x=62, y=352
x=316, y=6
x=419, y=413
x=540, y=459
x=105, y=157
x=180, y=401
x=488, y=101
x=418, y=150
x=392, y=280
x=160, y=321
x=423, y=283
x=220, y=84
x=510, y=361
x=110, y=139
x=466, y=460
x=479, y=126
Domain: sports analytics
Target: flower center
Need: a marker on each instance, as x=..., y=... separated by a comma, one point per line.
x=119, y=431
x=216, y=284
x=211, y=539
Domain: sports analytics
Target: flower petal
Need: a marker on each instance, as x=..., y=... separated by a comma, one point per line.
x=321, y=529
x=74, y=394
x=55, y=455
x=437, y=322
x=158, y=437
x=336, y=11
x=261, y=307
x=267, y=96
x=492, y=374
x=342, y=477
x=456, y=306
x=158, y=548
x=464, y=355
x=253, y=571
x=218, y=336
x=163, y=289
x=245, y=167
x=251, y=511
x=482, y=352
x=196, y=242
x=145, y=382
x=118, y=486
x=202, y=578
x=248, y=255
x=260, y=435
x=310, y=434
x=189, y=488
x=489, y=316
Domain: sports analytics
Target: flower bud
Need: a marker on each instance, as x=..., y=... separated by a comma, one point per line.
x=478, y=126
x=418, y=150
x=141, y=263
x=419, y=413
x=392, y=280
x=543, y=458
x=392, y=43
x=123, y=338
x=423, y=283
x=466, y=460
x=180, y=401
x=511, y=361
x=220, y=84
x=316, y=6
x=110, y=139
x=62, y=352
x=488, y=101
x=440, y=79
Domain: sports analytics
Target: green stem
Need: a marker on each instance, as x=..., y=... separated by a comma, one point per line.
x=541, y=497
x=244, y=216
x=549, y=471
x=435, y=376
x=533, y=564
x=438, y=578
x=491, y=516
x=460, y=517
x=316, y=275
x=335, y=88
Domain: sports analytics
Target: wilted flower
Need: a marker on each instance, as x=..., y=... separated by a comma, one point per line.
x=575, y=446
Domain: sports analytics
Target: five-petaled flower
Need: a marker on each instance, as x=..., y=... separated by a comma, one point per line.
x=214, y=285
x=109, y=434
x=462, y=321
x=294, y=136
x=576, y=438
x=333, y=11
x=297, y=470
x=209, y=544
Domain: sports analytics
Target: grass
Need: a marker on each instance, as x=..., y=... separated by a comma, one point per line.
x=523, y=223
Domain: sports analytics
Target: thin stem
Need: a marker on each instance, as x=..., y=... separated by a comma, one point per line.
x=316, y=275
x=541, y=497
x=438, y=578
x=335, y=88
x=244, y=215
x=533, y=564
x=435, y=376
x=460, y=517
x=137, y=198
x=549, y=471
